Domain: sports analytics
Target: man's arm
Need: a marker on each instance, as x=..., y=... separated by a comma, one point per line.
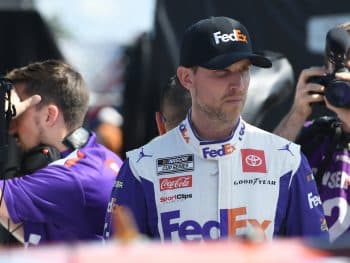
x=129, y=192
x=292, y=123
x=305, y=216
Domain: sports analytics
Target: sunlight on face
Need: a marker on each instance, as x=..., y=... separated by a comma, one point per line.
x=221, y=94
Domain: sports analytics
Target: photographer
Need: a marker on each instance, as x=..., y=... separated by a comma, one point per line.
x=326, y=141
x=62, y=187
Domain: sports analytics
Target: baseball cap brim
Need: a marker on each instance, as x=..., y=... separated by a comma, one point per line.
x=225, y=60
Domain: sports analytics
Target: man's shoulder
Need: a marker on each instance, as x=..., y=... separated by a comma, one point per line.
x=270, y=137
x=278, y=146
x=156, y=144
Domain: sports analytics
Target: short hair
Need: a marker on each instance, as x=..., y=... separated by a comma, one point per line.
x=177, y=98
x=58, y=83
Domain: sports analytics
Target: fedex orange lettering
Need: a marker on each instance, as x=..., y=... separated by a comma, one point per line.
x=225, y=149
x=231, y=220
x=236, y=35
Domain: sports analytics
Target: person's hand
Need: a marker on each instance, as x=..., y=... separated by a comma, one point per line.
x=22, y=106
x=342, y=113
x=307, y=93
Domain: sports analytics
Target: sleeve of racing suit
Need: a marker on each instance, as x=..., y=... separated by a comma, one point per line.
x=305, y=216
x=128, y=191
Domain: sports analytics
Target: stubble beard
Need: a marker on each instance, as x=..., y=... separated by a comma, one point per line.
x=218, y=114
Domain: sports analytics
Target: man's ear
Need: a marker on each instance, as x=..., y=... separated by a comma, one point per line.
x=185, y=76
x=52, y=114
x=160, y=123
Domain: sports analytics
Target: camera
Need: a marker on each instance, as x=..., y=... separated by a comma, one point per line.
x=337, y=52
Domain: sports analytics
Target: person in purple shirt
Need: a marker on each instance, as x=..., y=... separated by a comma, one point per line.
x=65, y=197
x=326, y=140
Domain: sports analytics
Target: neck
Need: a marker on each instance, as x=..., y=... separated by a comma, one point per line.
x=61, y=147
x=55, y=138
x=212, y=129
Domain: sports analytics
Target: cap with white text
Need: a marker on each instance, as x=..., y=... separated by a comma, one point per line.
x=216, y=43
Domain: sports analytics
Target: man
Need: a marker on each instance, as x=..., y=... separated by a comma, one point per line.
x=66, y=176
x=215, y=176
x=325, y=141
x=175, y=101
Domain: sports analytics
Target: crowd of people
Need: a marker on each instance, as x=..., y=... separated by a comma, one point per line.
x=208, y=175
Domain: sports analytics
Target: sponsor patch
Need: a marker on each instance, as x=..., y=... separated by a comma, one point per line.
x=236, y=35
x=224, y=149
x=310, y=177
x=314, y=200
x=175, y=164
x=118, y=184
x=175, y=182
x=174, y=198
x=324, y=226
x=241, y=131
x=183, y=131
x=253, y=161
x=254, y=181
x=232, y=222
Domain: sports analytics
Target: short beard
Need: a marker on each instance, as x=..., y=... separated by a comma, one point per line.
x=215, y=114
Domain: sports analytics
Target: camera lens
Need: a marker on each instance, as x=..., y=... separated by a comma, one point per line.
x=338, y=93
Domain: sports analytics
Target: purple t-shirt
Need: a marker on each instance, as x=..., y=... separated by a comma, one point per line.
x=334, y=187
x=66, y=200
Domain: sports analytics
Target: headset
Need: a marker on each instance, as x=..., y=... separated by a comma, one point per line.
x=42, y=155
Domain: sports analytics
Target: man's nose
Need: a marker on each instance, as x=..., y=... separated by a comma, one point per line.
x=236, y=79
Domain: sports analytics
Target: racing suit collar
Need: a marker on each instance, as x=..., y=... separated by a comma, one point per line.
x=211, y=150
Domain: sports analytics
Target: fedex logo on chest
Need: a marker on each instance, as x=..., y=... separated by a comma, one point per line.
x=225, y=149
x=232, y=221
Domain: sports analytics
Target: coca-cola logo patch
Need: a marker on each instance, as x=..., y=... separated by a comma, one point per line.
x=175, y=182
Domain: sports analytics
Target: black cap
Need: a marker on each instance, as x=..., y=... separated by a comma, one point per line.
x=216, y=43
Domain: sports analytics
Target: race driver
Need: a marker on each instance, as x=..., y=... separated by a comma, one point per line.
x=214, y=175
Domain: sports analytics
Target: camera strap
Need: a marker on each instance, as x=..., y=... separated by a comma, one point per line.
x=42, y=155
x=329, y=152
x=77, y=139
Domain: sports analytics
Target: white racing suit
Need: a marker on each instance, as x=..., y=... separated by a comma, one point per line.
x=182, y=188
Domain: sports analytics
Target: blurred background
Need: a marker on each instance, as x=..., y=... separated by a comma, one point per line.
x=128, y=49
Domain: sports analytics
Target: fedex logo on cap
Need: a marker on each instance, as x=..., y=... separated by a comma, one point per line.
x=223, y=150
x=236, y=35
